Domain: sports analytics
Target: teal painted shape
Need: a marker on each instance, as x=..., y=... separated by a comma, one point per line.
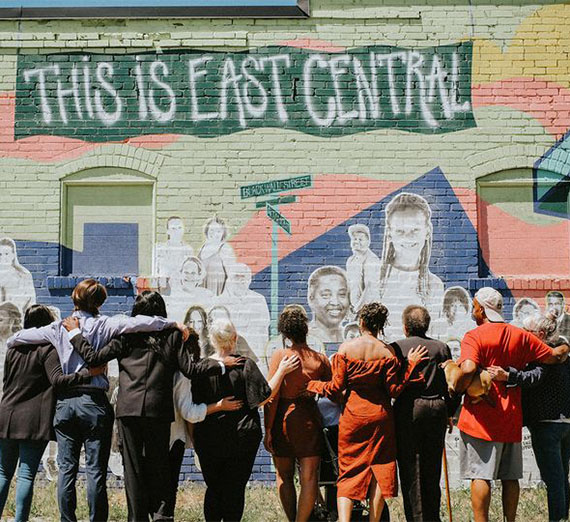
x=551, y=178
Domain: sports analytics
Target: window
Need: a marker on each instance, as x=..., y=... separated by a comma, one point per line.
x=516, y=237
x=108, y=223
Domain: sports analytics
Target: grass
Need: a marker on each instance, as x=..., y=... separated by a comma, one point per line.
x=262, y=505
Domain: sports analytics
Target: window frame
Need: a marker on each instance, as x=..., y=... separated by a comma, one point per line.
x=138, y=179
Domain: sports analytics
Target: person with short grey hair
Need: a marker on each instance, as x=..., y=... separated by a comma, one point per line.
x=422, y=412
x=227, y=442
x=546, y=412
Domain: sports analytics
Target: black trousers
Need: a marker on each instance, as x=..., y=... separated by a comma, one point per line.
x=226, y=473
x=144, y=445
x=175, y=458
x=420, y=433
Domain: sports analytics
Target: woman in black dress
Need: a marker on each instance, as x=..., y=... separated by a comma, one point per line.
x=227, y=442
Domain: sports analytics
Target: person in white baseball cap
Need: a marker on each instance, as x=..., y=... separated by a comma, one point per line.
x=492, y=302
x=491, y=431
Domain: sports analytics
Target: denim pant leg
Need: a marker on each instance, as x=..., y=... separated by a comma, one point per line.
x=31, y=452
x=69, y=441
x=8, y=462
x=565, y=452
x=97, y=416
x=546, y=443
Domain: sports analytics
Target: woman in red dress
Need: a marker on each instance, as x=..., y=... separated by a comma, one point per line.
x=367, y=371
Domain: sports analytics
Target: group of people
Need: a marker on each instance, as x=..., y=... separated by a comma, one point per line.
x=393, y=404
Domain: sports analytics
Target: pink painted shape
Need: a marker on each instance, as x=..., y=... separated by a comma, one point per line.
x=511, y=246
x=56, y=148
x=336, y=197
x=547, y=102
x=313, y=44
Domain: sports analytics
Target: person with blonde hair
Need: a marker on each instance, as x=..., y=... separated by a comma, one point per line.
x=226, y=442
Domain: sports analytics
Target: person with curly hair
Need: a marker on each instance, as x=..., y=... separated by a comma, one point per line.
x=368, y=369
x=292, y=421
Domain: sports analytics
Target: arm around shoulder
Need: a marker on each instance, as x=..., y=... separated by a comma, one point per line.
x=56, y=376
x=93, y=357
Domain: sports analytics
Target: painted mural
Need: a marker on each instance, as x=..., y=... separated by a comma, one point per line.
x=430, y=165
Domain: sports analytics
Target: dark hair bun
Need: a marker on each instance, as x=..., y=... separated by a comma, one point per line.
x=374, y=316
x=293, y=324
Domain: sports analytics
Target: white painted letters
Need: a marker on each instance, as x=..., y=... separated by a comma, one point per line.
x=107, y=118
x=157, y=113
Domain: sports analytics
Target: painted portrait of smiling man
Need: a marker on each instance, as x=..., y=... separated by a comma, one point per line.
x=329, y=301
x=405, y=277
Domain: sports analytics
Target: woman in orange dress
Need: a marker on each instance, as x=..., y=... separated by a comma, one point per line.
x=293, y=430
x=367, y=371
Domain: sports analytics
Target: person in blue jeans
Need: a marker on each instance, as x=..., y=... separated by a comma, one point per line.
x=32, y=375
x=546, y=413
x=83, y=415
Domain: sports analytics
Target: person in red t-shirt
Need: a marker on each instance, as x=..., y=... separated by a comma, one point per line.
x=491, y=431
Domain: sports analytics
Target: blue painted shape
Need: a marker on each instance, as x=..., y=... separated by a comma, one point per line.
x=42, y=259
x=455, y=254
x=108, y=249
x=554, y=165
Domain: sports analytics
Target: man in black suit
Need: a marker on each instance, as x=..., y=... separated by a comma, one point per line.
x=422, y=413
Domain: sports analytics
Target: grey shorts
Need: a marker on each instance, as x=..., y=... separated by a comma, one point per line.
x=486, y=460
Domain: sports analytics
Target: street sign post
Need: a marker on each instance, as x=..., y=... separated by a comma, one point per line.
x=272, y=188
x=278, y=218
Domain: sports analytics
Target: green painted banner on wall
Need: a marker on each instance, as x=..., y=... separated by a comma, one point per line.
x=109, y=97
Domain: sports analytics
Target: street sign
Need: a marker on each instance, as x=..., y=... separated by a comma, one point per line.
x=278, y=201
x=272, y=189
x=278, y=218
x=275, y=186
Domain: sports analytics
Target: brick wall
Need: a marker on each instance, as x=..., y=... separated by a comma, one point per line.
x=466, y=107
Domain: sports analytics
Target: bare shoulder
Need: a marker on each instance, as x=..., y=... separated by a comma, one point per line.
x=349, y=347
x=384, y=351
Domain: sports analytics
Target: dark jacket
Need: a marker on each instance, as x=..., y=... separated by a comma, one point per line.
x=31, y=373
x=435, y=386
x=545, y=390
x=147, y=364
